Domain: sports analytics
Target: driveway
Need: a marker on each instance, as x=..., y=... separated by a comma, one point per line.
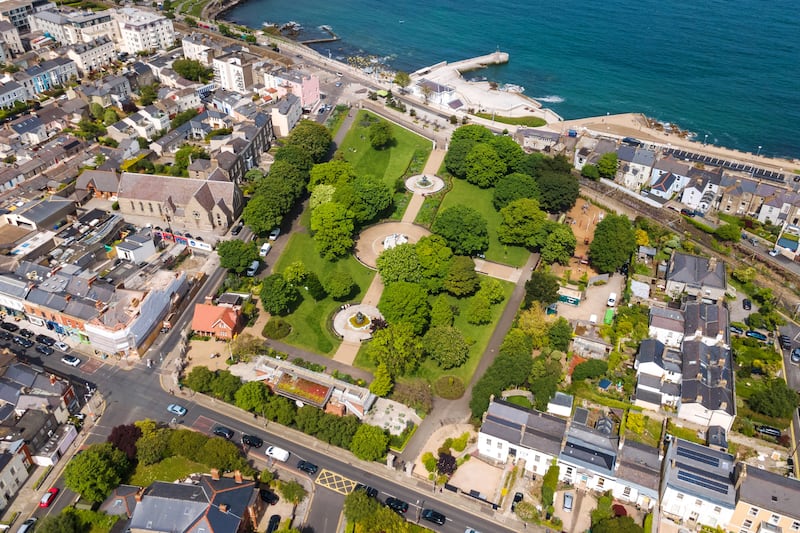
x=579, y=519
x=595, y=302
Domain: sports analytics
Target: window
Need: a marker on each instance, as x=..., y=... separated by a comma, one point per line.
x=747, y=524
x=679, y=496
x=536, y=458
x=600, y=483
x=774, y=519
x=795, y=526
x=753, y=511
x=488, y=442
x=568, y=473
x=698, y=503
x=13, y=471
x=717, y=509
x=627, y=492
x=499, y=445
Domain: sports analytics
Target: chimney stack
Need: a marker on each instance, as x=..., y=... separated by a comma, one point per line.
x=237, y=476
x=742, y=475
x=215, y=474
x=139, y=494
x=712, y=264
x=223, y=507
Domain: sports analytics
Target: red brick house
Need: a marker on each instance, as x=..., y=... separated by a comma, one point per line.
x=222, y=323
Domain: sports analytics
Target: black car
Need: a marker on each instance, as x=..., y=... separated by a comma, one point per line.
x=737, y=330
x=252, y=441
x=371, y=492
x=5, y=335
x=768, y=430
x=747, y=304
x=44, y=339
x=22, y=341
x=308, y=468
x=433, y=516
x=237, y=229
x=44, y=349
x=25, y=333
x=268, y=496
x=786, y=341
x=274, y=522
x=222, y=431
x=398, y=506
x=517, y=498
x=8, y=326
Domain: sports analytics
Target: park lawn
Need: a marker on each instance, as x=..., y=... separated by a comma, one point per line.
x=480, y=336
x=479, y=199
x=169, y=470
x=409, y=149
x=532, y=122
x=310, y=321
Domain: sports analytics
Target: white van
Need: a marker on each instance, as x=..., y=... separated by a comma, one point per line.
x=278, y=453
x=253, y=268
x=612, y=299
x=265, y=248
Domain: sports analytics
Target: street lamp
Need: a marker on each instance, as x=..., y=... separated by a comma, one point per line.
x=759, y=151
x=705, y=141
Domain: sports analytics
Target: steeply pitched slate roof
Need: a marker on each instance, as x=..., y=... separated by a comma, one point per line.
x=694, y=270
x=769, y=491
x=533, y=429
x=102, y=180
x=710, y=320
x=639, y=464
x=672, y=166
x=707, y=377
x=176, y=191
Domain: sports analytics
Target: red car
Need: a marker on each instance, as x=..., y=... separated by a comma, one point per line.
x=48, y=497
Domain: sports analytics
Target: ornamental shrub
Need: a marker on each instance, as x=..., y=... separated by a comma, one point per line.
x=276, y=328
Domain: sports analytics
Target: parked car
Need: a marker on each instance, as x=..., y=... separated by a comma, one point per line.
x=737, y=330
x=307, y=467
x=268, y=496
x=396, y=505
x=25, y=333
x=5, y=335
x=8, y=326
x=747, y=304
x=176, y=409
x=774, y=253
x=433, y=516
x=44, y=339
x=567, y=502
x=71, y=360
x=63, y=346
x=278, y=453
x=768, y=430
x=273, y=235
x=371, y=492
x=222, y=431
x=785, y=342
x=44, y=349
x=27, y=525
x=795, y=356
x=237, y=229
x=252, y=441
x=264, y=250
x=756, y=335
x=48, y=497
x=274, y=522
x=518, y=496
x=22, y=341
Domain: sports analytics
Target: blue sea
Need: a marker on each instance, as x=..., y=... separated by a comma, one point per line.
x=726, y=69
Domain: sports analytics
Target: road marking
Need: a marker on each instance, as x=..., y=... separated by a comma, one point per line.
x=335, y=482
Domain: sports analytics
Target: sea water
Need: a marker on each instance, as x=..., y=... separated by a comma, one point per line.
x=726, y=69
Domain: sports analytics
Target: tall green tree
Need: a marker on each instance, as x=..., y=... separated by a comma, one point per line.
x=63, y=522
x=252, y=396
x=96, y=472
x=461, y=280
x=400, y=263
x=333, y=226
x=365, y=196
x=775, y=399
x=380, y=134
x=463, y=228
x=455, y=161
x=236, y=255
x=509, y=151
x=607, y=165
x=613, y=244
x=475, y=132
x=296, y=156
x=559, y=247
x=435, y=258
x=192, y=70
x=560, y=334
x=312, y=137
x=370, y=443
x=522, y=221
x=333, y=173
x=402, y=79
x=484, y=166
x=278, y=296
x=382, y=383
x=404, y=302
x=558, y=191
x=513, y=187
x=447, y=346
x=441, y=312
x=542, y=288
x=339, y=285
x=397, y=347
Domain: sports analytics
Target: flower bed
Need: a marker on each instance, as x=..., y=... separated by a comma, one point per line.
x=303, y=389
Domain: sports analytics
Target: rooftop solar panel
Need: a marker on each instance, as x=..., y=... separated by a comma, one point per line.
x=698, y=456
x=703, y=482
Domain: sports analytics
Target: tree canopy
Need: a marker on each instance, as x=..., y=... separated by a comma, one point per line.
x=370, y=443
x=236, y=255
x=522, y=222
x=380, y=134
x=513, y=187
x=333, y=226
x=192, y=70
x=559, y=191
x=607, y=165
x=364, y=196
x=484, y=167
x=396, y=347
x=404, y=302
x=314, y=138
x=542, y=288
x=463, y=228
x=278, y=296
x=559, y=245
x=447, y=346
x=613, y=244
x=96, y=472
x=775, y=399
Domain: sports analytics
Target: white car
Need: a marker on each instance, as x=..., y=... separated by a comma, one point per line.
x=71, y=360
x=63, y=346
x=773, y=253
x=273, y=235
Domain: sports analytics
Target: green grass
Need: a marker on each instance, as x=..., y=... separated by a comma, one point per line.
x=390, y=163
x=481, y=200
x=684, y=433
x=310, y=321
x=478, y=335
x=522, y=401
x=651, y=434
x=168, y=470
x=533, y=122
x=336, y=119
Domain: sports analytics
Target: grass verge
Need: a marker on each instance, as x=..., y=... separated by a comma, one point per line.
x=533, y=122
x=169, y=470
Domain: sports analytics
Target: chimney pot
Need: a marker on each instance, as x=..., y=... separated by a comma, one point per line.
x=237, y=476
x=215, y=474
x=223, y=507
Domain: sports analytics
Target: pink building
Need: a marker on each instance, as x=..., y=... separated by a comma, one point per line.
x=303, y=85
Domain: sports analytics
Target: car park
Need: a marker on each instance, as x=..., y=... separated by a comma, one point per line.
x=71, y=360
x=518, y=496
x=747, y=304
x=274, y=523
x=44, y=349
x=371, y=492
x=307, y=467
x=63, y=346
x=222, y=431
x=252, y=441
x=568, y=502
x=8, y=326
x=795, y=356
x=48, y=497
x=396, y=505
x=176, y=409
x=268, y=497
x=44, y=339
x=433, y=516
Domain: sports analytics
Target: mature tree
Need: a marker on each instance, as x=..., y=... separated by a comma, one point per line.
x=96, y=110
x=152, y=446
x=183, y=117
x=492, y=289
x=607, y=165
x=463, y=228
x=63, y=522
x=291, y=179
x=333, y=173
x=148, y=94
x=183, y=156
x=313, y=138
x=308, y=419
x=339, y=285
x=292, y=491
x=479, y=310
x=333, y=226
x=435, y=258
x=296, y=156
x=441, y=312
x=246, y=344
x=559, y=191
x=382, y=383
x=513, y=187
x=89, y=130
x=192, y=70
x=236, y=255
x=359, y=507
x=522, y=221
x=322, y=194
x=252, y=396
x=484, y=166
x=365, y=196
x=199, y=379
x=542, y=288
x=96, y=472
x=402, y=79
x=775, y=399
x=591, y=369
x=533, y=322
x=225, y=385
x=475, y=132
x=407, y=303
x=295, y=272
x=591, y=172
x=265, y=211
x=447, y=346
x=728, y=232
x=400, y=263
x=221, y=454
x=511, y=367
x=314, y=287
x=614, y=242
x=509, y=150
x=370, y=443
x=278, y=296
x=124, y=437
x=397, y=347
x=544, y=380
x=186, y=443
x=461, y=280
x=380, y=134
x=455, y=161
x=110, y=117
x=559, y=247
x=560, y=334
